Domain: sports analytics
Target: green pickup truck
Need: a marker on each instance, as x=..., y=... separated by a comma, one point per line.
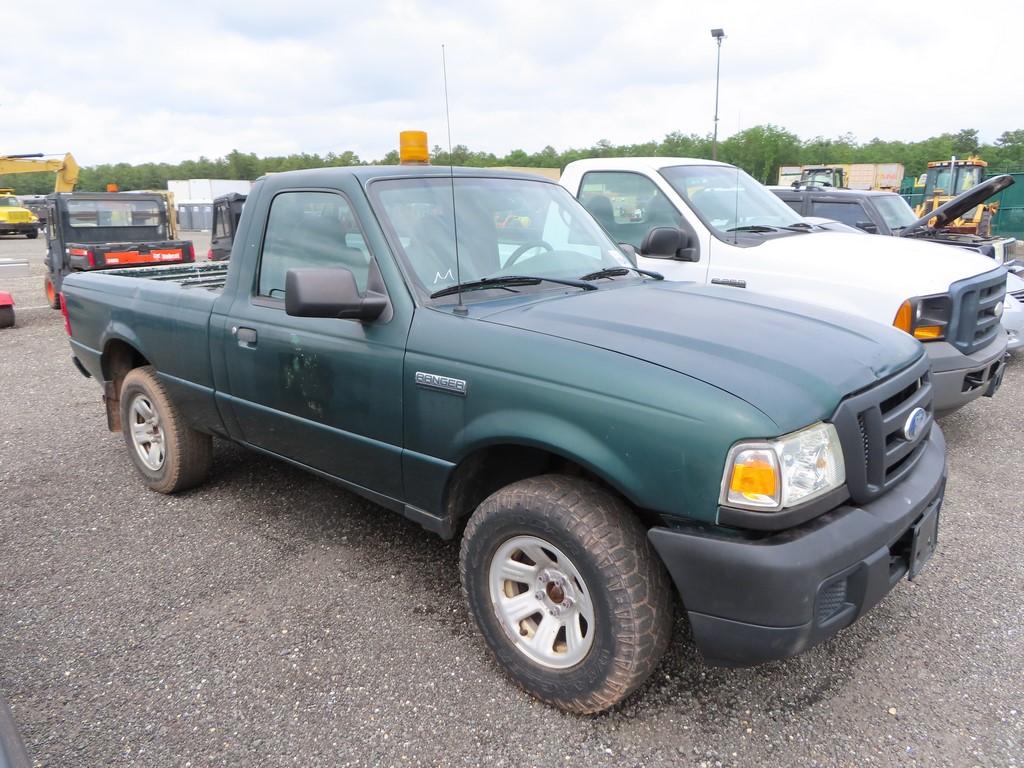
x=593, y=433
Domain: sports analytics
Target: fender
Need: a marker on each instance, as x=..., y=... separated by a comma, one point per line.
x=555, y=435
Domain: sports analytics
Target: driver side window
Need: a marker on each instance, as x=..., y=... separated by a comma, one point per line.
x=628, y=205
x=310, y=229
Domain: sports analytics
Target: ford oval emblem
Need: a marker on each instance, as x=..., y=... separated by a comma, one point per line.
x=914, y=424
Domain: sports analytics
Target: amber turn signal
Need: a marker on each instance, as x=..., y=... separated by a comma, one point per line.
x=905, y=317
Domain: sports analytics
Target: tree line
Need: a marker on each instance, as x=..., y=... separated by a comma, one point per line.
x=759, y=150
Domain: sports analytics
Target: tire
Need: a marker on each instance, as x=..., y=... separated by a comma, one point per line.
x=7, y=317
x=176, y=457
x=52, y=297
x=32, y=235
x=596, y=555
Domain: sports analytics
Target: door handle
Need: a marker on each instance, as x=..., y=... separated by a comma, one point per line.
x=729, y=281
x=246, y=336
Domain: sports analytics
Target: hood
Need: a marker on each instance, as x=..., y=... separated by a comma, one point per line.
x=872, y=264
x=792, y=361
x=961, y=204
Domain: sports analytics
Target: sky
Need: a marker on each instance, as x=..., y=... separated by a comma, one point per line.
x=156, y=81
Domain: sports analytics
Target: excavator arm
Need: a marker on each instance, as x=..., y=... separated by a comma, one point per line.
x=66, y=168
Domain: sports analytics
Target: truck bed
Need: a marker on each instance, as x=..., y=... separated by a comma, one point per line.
x=163, y=312
x=207, y=275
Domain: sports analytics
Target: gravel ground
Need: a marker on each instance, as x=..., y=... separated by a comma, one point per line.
x=270, y=619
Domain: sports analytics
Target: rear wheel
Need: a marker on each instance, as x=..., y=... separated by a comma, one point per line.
x=52, y=297
x=6, y=317
x=33, y=234
x=566, y=590
x=169, y=455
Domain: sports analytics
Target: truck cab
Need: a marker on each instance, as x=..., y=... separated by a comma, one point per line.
x=15, y=218
x=825, y=176
x=103, y=230
x=710, y=222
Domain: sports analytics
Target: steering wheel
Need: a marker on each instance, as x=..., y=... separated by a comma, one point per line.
x=518, y=252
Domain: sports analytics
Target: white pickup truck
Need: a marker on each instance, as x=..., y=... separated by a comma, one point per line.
x=709, y=222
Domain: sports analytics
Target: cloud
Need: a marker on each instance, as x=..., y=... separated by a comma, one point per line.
x=165, y=82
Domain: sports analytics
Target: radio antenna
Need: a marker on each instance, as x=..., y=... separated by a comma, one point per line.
x=460, y=308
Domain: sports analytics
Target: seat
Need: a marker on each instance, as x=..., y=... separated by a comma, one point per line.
x=601, y=208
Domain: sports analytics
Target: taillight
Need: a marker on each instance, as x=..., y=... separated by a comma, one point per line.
x=209, y=255
x=64, y=312
x=92, y=261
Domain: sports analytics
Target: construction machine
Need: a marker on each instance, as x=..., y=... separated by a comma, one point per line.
x=65, y=167
x=944, y=180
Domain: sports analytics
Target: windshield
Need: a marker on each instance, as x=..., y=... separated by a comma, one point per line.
x=725, y=198
x=895, y=210
x=818, y=176
x=113, y=213
x=10, y=202
x=952, y=182
x=505, y=227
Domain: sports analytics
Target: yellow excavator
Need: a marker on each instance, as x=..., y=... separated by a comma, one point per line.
x=15, y=218
x=65, y=167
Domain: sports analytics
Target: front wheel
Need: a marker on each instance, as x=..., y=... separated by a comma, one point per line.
x=169, y=455
x=566, y=590
x=33, y=234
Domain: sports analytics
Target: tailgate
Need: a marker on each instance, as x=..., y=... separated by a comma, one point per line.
x=100, y=255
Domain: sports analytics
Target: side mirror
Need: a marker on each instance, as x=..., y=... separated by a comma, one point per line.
x=629, y=252
x=867, y=226
x=669, y=243
x=329, y=292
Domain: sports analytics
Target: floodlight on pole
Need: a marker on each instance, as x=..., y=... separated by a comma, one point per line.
x=719, y=35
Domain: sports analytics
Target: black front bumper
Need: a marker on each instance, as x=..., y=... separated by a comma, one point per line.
x=754, y=600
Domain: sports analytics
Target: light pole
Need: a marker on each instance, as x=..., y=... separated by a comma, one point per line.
x=719, y=35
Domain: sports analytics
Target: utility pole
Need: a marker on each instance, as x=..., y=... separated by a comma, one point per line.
x=719, y=35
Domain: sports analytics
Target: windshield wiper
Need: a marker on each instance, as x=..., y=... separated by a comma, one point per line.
x=507, y=282
x=610, y=272
x=753, y=228
x=800, y=226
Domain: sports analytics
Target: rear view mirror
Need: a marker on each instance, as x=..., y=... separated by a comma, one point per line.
x=867, y=226
x=329, y=292
x=669, y=243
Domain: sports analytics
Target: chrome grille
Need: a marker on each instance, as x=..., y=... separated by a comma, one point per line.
x=974, y=322
x=870, y=426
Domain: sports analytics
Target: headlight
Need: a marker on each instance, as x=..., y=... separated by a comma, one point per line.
x=924, y=317
x=771, y=475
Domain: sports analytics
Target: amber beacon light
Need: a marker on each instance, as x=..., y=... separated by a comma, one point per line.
x=412, y=147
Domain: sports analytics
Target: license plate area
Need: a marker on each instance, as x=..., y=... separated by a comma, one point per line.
x=924, y=541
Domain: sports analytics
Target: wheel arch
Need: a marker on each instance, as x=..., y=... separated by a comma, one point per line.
x=494, y=464
x=118, y=358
